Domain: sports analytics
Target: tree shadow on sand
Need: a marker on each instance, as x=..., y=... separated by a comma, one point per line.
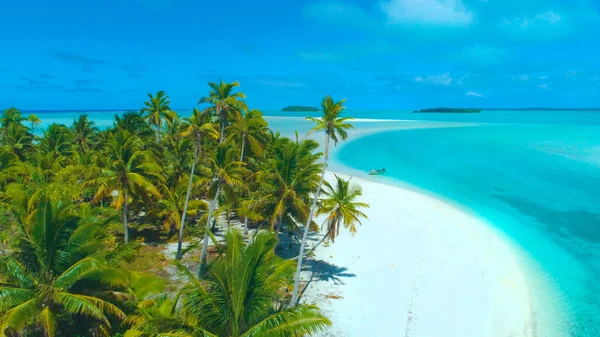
x=324, y=271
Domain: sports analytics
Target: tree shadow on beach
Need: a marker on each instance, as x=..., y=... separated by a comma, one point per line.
x=324, y=271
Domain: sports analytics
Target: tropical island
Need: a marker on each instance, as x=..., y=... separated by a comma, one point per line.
x=448, y=110
x=299, y=108
x=544, y=109
x=162, y=225
x=213, y=224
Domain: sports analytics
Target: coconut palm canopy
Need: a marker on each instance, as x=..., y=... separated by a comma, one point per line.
x=86, y=214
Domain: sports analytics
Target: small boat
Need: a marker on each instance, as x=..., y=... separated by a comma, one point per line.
x=374, y=172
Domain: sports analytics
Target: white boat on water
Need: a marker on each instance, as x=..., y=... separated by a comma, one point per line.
x=375, y=172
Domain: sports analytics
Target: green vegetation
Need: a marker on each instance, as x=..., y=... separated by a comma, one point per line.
x=450, y=110
x=90, y=214
x=300, y=108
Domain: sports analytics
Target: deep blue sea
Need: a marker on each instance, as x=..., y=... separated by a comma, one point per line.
x=533, y=175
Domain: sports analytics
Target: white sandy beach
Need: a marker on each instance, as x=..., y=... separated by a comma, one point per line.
x=418, y=267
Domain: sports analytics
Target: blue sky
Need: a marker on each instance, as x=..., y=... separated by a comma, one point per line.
x=380, y=54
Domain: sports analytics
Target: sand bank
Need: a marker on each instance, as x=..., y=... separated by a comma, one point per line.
x=418, y=267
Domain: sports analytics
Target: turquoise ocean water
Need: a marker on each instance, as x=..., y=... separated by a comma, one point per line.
x=535, y=176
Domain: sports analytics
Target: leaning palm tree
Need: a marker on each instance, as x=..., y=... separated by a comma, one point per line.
x=200, y=127
x=335, y=128
x=224, y=103
x=238, y=297
x=127, y=174
x=228, y=173
x=34, y=120
x=341, y=207
x=155, y=109
x=52, y=284
x=249, y=130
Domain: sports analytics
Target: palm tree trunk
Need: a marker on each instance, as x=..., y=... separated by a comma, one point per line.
x=157, y=133
x=243, y=147
x=185, y=206
x=222, y=122
x=211, y=209
x=246, y=225
x=125, y=226
x=294, y=299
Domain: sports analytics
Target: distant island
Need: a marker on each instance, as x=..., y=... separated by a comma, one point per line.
x=450, y=110
x=300, y=108
x=544, y=109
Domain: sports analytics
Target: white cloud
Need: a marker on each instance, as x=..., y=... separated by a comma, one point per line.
x=521, y=77
x=543, y=86
x=544, y=77
x=427, y=12
x=571, y=73
x=548, y=18
x=442, y=79
x=474, y=94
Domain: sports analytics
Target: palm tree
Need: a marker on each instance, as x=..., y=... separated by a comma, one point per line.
x=155, y=109
x=227, y=173
x=238, y=297
x=200, y=127
x=57, y=140
x=171, y=207
x=342, y=209
x=19, y=140
x=127, y=173
x=224, y=102
x=83, y=130
x=50, y=285
x=10, y=116
x=133, y=122
x=176, y=151
x=34, y=120
x=249, y=129
x=288, y=179
x=335, y=128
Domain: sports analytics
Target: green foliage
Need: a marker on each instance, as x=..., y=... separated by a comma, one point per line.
x=69, y=195
x=155, y=109
x=341, y=207
x=239, y=296
x=450, y=110
x=56, y=273
x=287, y=179
x=335, y=127
x=300, y=108
x=225, y=103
